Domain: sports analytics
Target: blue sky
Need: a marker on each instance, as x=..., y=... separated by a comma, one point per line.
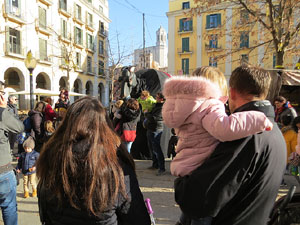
x=127, y=21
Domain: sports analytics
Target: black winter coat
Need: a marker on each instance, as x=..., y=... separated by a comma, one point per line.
x=37, y=120
x=154, y=119
x=128, y=123
x=123, y=212
x=238, y=183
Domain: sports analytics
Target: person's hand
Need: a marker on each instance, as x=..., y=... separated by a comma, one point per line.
x=268, y=125
x=18, y=171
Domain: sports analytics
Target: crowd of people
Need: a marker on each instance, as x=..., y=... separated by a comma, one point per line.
x=229, y=166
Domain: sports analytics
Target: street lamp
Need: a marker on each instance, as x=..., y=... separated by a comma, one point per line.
x=30, y=63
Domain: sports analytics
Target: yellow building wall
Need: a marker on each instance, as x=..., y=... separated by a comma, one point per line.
x=192, y=45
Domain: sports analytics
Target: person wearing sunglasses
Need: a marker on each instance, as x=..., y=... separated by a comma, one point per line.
x=8, y=123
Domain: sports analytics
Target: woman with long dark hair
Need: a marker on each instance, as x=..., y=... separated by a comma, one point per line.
x=85, y=174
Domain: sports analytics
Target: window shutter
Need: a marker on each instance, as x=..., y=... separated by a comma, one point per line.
x=191, y=25
x=219, y=19
x=75, y=38
x=61, y=27
x=87, y=40
x=81, y=35
x=20, y=42
x=181, y=24
x=247, y=40
x=207, y=21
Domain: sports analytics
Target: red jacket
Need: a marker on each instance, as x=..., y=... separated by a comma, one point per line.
x=49, y=113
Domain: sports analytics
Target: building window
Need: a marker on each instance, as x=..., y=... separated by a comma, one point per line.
x=101, y=27
x=42, y=18
x=78, y=36
x=90, y=20
x=101, y=47
x=43, y=49
x=185, y=66
x=185, y=44
x=213, y=21
x=213, y=41
x=78, y=12
x=244, y=58
x=185, y=5
x=14, y=41
x=63, y=4
x=101, y=68
x=14, y=7
x=185, y=24
x=64, y=56
x=64, y=28
x=213, y=62
x=89, y=1
x=244, y=40
x=276, y=9
x=100, y=9
x=78, y=59
x=244, y=16
x=89, y=64
x=89, y=41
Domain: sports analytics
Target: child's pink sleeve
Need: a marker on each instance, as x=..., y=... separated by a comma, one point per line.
x=233, y=127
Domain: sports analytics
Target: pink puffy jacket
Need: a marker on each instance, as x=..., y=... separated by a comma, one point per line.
x=193, y=108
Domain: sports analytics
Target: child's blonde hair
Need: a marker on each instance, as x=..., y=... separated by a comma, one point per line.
x=145, y=93
x=214, y=75
x=49, y=126
x=119, y=103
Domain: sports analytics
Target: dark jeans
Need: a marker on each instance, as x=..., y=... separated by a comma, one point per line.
x=8, y=202
x=158, y=158
x=202, y=221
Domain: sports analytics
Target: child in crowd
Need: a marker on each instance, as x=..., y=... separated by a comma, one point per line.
x=147, y=101
x=116, y=112
x=49, y=130
x=195, y=108
x=26, y=164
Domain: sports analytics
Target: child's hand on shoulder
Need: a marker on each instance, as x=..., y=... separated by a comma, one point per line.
x=268, y=125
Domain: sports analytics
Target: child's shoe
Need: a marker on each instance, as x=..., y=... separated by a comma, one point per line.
x=34, y=193
x=26, y=194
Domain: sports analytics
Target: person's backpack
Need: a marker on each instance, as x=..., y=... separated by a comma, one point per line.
x=27, y=124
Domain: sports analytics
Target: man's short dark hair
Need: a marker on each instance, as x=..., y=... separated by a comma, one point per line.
x=250, y=80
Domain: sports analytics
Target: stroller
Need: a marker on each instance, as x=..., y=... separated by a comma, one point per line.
x=286, y=210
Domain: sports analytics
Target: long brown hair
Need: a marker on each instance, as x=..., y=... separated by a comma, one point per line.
x=89, y=176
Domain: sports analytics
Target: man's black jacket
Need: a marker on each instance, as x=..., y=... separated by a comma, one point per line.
x=238, y=184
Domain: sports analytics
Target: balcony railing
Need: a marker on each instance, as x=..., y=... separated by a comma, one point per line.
x=185, y=51
x=103, y=32
x=65, y=10
x=91, y=70
x=41, y=26
x=13, y=13
x=43, y=57
x=213, y=48
x=185, y=72
x=12, y=49
x=183, y=31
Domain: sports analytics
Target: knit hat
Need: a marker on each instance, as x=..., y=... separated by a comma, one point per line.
x=29, y=143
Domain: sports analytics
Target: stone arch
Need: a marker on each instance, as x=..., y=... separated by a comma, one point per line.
x=42, y=81
x=77, y=87
x=101, y=92
x=89, y=88
x=14, y=78
x=62, y=82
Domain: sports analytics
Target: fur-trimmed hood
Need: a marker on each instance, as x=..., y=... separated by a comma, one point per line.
x=191, y=87
x=185, y=95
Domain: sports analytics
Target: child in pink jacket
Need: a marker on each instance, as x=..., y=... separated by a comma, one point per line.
x=194, y=106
